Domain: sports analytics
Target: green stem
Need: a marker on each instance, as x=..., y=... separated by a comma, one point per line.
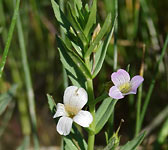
x=137, y=129
x=115, y=35
x=91, y=136
x=9, y=38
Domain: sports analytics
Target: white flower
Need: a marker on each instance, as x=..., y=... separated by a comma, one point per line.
x=74, y=100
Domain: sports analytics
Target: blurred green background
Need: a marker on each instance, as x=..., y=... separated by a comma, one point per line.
x=139, y=22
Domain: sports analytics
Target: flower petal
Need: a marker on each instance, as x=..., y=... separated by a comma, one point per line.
x=115, y=93
x=83, y=118
x=75, y=97
x=120, y=77
x=135, y=83
x=60, y=111
x=64, y=125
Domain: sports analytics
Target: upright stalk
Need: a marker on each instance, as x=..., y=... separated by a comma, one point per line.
x=91, y=136
x=9, y=38
x=115, y=34
x=137, y=129
x=90, y=90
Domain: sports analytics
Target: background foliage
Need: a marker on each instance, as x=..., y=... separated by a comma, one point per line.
x=33, y=63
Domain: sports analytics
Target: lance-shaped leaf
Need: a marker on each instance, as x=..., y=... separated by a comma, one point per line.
x=74, y=72
x=51, y=104
x=92, y=18
x=77, y=81
x=61, y=18
x=82, y=17
x=69, y=145
x=104, y=112
x=102, y=32
x=79, y=138
x=74, y=58
x=79, y=62
x=112, y=144
x=131, y=145
x=66, y=25
x=77, y=48
x=76, y=25
x=78, y=3
x=6, y=98
x=75, y=140
x=76, y=7
x=101, y=53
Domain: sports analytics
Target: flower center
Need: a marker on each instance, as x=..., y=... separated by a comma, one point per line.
x=71, y=111
x=125, y=88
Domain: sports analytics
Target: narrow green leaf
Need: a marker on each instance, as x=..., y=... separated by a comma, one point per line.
x=131, y=145
x=99, y=99
x=101, y=53
x=51, y=103
x=72, y=69
x=78, y=3
x=75, y=81
x=104, y=112
x=76, y=25
x=75, y=8
x=6, y=98
x=72, y=58
x=69, y=145
x=82, y=16
x=77, y=48
x=81, y=65
x=102, y=32
x=64, y=23
x=87, y=8
x=75, y=140
x=9, y=38
x=76, y=135
x=92, y=18
x=112, y=144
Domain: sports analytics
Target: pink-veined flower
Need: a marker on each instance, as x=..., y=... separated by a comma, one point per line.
x=123, y=85
x=74, y=100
